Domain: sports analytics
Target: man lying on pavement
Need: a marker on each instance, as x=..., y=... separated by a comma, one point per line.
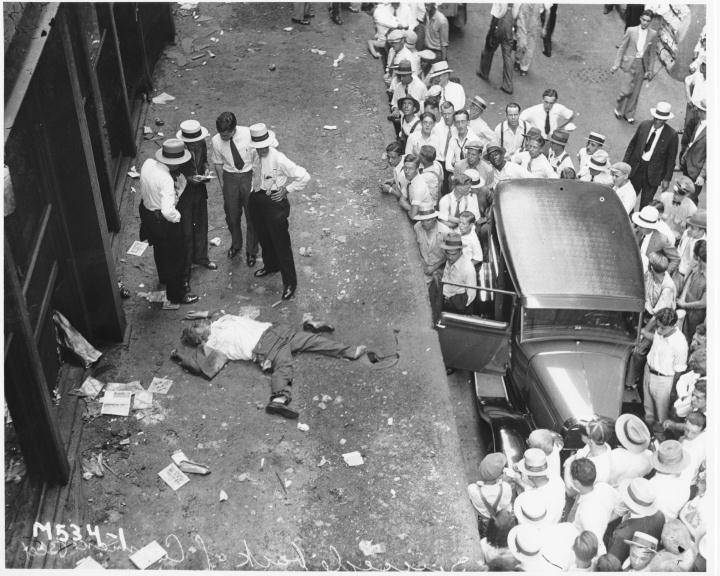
x=221, y=337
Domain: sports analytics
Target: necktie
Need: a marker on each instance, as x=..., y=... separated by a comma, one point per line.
x=650, y=140
x=547, y=123
x=237, y=159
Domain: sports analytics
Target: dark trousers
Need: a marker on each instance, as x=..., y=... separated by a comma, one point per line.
x=552, y=17
x=496, y=37
x=194, y=224
x=632, y=14
x=642, y=185
x=277, y=346
x=270, y=220
x=168, y=250
x=439, y=302
x=236, y=194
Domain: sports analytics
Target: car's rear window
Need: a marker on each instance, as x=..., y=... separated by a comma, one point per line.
x=539, y=323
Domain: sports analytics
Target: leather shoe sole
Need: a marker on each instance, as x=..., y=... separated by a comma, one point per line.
x=188, y=299
x=263, y=272
x=618, y=115
x=304, y=21
x=289, y=292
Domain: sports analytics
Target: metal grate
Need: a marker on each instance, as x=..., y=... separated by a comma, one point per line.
x=593, y=74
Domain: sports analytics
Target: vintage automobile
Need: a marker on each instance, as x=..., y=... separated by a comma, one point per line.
x=455, y=12
x=561, y=312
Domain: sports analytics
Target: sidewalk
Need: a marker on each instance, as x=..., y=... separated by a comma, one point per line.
x=292, y=502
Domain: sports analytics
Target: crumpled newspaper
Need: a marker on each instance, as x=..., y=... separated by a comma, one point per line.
x=370, y=549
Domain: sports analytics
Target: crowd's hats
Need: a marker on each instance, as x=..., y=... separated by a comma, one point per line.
x=474, y=145
x=662, y=111
x=410, y=38
x=433, y=91
x=396, y=36
x=491, y=467
x=191, y=131
x=632, y=433
x=479, y=101
x=639, y=496
x=261, y=137
x=451, y=241
x=685, y=185
x=525, y=542
x=404, y=99
x=426, y=55
x=533, y=132
x=599, y=161
x=476, y=181
x=439, y=68
x=556, y=551
x=173, y=152
x=699, y=219
x=403, y=67
x=648, y=217
x=644, y=541
x=529, y=509
x=560, y=136
x=426, y=213
x=493, y=148
x=597, y=138
x=670, y=457
x=623, y=167
x=534, y=463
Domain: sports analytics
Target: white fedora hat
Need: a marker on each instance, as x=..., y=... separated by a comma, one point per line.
x=648, y=217
x=439, y=68
x=173, y=152
x=261, y=137
x=639, y=496
x=192, y=131
x=529, y=509
x=662, y=111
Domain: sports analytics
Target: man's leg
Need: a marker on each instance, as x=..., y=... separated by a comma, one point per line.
x=277, y=214
x=185, y=207
x=200, y=230
x=258, y=204
x=283, y=371
x=636, y=83
x=648, y=400
x=663, y=388
x=507, y=54
x=233, y=208
x=251, y=246
x=172, y=253
x=491, y=44
x=547, y=40
x=308, y=342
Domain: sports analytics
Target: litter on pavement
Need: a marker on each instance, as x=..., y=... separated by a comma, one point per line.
x=329, y=127
x=173, y=476
x=338, y=60
x=116, y=403
x=89, y=389
x=92, y=466
x=148, y=555
x=353, y=458
x=160, y=385
x=133, y=173
x=215, y=241
x=187, y=465
x=137, y=248
x=89, y=563
x=222, y=496
x=74, y=341
x=303, y=427
x=163, y=98
x=369, y=549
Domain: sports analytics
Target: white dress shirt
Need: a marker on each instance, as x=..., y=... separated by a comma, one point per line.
x=457, y=150
x=276, y=170
x=642, y=38
x=484, y=133
x=535, y=116
x=509, y=171
x=452, y=204
x=668, y=354
x=157, y=188
x=560, y=161
x=511, y=140
x=671, y=493
x=595, y=510
x=471, y=246
x=416, y=89
x=454, y=93
x=539, y=167
x=417, y=140
x=443, y=134
x=553, y=494
x=626, y=465
x=419, y=192
x=221, y=153
x=236, y=336
x=460, y=272
x=627, y=196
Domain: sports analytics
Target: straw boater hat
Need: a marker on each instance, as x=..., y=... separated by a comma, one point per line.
x=191, y=131
x=438, y=69
x=493, y=148
x=599, y=161
x=632, y=433
x=173, y=152
x=415, y=103
x=491, y=467
x=529, y=509
x=560, y=136
x=534, y=463
x=451, y=241
x=426, y=213
x=433, y=91
x=479, y=101
x=476, y=181
x=670, y=457
x=639, y=496
x=699, y=219
x=261, y=137
x=597, y=138
x=648, y=217
x=525, y=542
x=426, y=55
x=396, y=35
x=404, y=67
x=643, y=540
x=662, y=111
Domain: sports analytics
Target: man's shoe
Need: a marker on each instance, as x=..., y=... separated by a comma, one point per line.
x=263, y=272
x=186, y=286
x=289, y=292
x=481, y=75
x=232, y=253
x=303, y=21
x=505, y=90
x=279, y=405
x=188, y=299
x=336, y=18
x=630, y=120
x=617, y=113
x=359, y=352
x=316, y=326
x=250, y=260
x=210, y=265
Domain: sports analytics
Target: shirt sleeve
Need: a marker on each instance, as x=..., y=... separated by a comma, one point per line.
x=167, y=202
x=215, y=156
x=299, y=175
x=444, y=33
x=680, y=355
x=666, y=300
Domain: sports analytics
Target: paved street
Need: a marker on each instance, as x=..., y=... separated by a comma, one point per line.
x=292, y=501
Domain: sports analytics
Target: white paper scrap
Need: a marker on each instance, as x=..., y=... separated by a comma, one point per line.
x=143, y=400
x=89, y=563
x=138, y=248
x=338, y=60
x=148, y=555
x=173, y=476
x=303, y=427
x=353, y=458
x=160, y=385
x=90, y=388
x=288, y=29
x=124, y=386
x=163, y=98
x=222, y=496
x=116, y=403
x=178, y=456
x=329, y=127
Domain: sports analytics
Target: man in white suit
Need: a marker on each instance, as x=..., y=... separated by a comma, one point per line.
x=636, y=56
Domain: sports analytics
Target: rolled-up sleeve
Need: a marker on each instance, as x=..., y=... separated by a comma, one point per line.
x=167, y=204
x=298, y=174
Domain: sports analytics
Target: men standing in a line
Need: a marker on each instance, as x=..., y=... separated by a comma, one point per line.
x=651, y=154
x=636, y=56
x=549, y=115
x=160, y=185
x=274, y=176
x=500, y=34
x=232, y=158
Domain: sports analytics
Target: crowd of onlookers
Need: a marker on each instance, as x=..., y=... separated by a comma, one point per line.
x=638, y=506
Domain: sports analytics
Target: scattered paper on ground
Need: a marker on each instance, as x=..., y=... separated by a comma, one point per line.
x=338, y=60
x=163, y=98
x=222, y=496
x=133, y=173
x=173, y=476
x=178, y=456
x=124, y=386
x=157, y=296
x=138, y=248
x=353, y=458
x=160, y=385
x=116, y=403
x=142, y=400
x=369, y=549
x=148, y=555
x=303, y=427
x=329, y=127
x=88, y=563
x=90, y=388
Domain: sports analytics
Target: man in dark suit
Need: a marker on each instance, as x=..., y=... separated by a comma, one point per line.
x=636, y=56
x=651, y=154
x=694, y=151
